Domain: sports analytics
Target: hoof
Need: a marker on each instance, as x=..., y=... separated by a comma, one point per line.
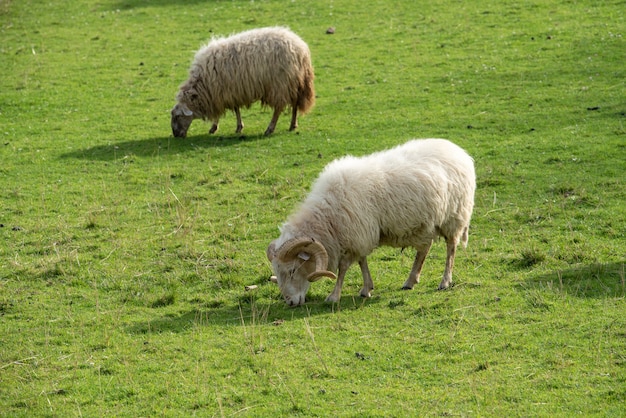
x=407, y=288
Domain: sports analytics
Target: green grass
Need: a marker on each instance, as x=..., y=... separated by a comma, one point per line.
x=124, y=252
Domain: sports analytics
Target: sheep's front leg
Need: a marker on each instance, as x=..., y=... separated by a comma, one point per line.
x=414, y=276
x=368, y=284
x=335, y=295
x=213, y=128
x=272, y=125
x=239, y=122
x=447, y=274
x=294, y=118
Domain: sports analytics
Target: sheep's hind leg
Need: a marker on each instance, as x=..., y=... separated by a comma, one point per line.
x=368, y=284
x=272, y=125
x=414, y=276
x=294, y=118
x=447, y=274
x=213, y=128
x=335, y=295
x=239, y=122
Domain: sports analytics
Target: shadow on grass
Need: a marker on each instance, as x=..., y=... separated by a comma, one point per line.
x=247, y=312
x=132, y=4
x=152, y=147
x=592, y=281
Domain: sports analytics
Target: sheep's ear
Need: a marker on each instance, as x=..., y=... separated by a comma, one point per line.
x=186, y=111
x=181, y=109
x=304, y=256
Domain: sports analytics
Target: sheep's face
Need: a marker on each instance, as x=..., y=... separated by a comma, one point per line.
x=296, y=263
x=181, y=120
x=291, y=277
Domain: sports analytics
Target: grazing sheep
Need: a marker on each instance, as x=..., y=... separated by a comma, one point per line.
x=271, y=65
x=403, y=197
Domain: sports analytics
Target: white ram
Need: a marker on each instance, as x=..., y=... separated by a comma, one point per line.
x=403, y=197
x=271, y=65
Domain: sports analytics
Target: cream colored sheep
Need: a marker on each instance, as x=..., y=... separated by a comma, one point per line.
x=403, y=197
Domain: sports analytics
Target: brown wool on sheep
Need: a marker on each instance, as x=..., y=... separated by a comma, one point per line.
x=270, y=65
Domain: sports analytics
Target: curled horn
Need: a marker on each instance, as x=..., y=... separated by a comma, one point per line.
x=318, y=274
x=271, y=251
x=293, y=247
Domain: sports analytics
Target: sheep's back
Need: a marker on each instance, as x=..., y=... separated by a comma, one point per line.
x=405, y=196
x=262, y=64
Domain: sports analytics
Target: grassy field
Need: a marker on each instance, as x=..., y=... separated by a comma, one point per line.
x=124, y=252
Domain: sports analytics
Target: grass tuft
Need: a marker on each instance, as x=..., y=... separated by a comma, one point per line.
x=528, y=258
x=165, y=300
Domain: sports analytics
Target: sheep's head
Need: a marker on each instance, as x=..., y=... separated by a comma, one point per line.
x=297, y=263
x=182, y=117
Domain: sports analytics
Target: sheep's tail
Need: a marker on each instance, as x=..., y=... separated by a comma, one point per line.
x=306, y=91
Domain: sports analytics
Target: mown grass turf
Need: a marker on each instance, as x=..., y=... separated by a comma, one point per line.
x=124, y=252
